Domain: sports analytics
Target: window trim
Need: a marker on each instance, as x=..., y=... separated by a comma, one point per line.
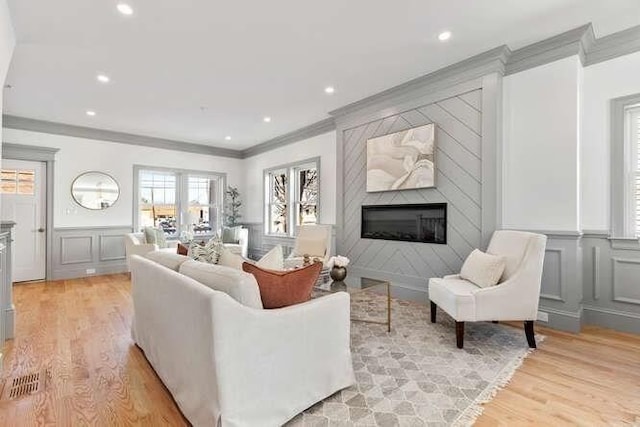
x=620, y=221
x=289, y=167
x=180, y=190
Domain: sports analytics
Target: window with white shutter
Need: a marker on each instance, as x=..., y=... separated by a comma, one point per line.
x=632, y=152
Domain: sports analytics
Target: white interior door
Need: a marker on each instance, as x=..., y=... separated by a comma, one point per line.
x=23, y=190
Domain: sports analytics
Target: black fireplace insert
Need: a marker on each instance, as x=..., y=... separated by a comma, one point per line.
x=424, y=223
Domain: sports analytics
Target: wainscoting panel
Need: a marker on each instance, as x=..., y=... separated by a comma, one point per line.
x=611, y=283
x=76, y=249
x=112, y=247
x=626, y=280
x=88, y=251
x=561, y=289
x=552, y=275
x=458, y=122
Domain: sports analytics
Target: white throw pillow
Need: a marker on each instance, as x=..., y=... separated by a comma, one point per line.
x=230, y=259
x=272, y=260
x=483, y=269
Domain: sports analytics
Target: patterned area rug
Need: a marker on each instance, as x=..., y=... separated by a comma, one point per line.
x=415, y=375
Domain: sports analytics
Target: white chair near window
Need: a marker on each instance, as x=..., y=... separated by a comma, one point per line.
x=515, y=297
x=313, y=240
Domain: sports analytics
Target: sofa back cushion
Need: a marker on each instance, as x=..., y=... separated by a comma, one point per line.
x=237, y=284
x=168, y=259
x=284, y=288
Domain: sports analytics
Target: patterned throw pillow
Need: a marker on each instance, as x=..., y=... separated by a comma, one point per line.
x=284, y=288
x=209, y=252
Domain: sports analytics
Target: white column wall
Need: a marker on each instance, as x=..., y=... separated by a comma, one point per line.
x=541, y=147
x=7, y=45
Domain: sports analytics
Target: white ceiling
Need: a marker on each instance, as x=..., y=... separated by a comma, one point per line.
x=243, y=60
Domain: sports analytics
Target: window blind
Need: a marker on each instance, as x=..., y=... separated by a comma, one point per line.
x=636, y=141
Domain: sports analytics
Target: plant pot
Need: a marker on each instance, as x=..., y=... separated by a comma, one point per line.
x=338, y=274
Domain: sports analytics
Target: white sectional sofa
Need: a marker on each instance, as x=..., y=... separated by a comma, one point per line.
x=225, y=359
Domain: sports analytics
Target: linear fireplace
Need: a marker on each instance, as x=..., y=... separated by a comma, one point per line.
x=425, y=223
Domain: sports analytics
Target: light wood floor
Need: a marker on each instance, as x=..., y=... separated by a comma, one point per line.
x=80, y=330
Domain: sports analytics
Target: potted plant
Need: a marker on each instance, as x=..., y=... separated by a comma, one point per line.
x=233, y=204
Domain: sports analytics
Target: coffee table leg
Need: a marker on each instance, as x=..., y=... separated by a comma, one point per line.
x=388, y=307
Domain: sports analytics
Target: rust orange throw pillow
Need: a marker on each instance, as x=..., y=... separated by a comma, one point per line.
x=284, y=288
x=182, y=249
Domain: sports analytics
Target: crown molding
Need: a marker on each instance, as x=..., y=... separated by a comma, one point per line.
x=580, y=41
x=569, y=43
x=23, y=123
x=488, y=62
x=614, y=45
x=28, y=152
x=315, y=129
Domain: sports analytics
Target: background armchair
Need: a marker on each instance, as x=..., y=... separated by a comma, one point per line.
x=314, y=240
x=242, y=247
x=136, y=244
x=516, y=297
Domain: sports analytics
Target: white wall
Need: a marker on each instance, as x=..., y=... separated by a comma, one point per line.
x=79, y=155
x=541, y=147
x=7, y=44
x=322, y=145
x=602, y=82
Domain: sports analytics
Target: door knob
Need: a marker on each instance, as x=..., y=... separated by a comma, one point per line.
x=40, y=230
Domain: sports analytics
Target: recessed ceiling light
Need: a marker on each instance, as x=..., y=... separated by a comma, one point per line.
x=267, y=119
x=125, y=9
x=329, y=90
x=103, y=78
x=227, y=138
x=91, y=113
x=444, y=36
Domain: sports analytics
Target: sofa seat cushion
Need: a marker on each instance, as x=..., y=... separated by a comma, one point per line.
x=167, y=257
x=239, y=285
x=455, y=296
x=284, y=288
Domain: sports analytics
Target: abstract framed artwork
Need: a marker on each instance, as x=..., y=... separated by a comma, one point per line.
x=403, y=160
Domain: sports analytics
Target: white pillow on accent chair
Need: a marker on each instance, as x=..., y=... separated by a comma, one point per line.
x=483, y=269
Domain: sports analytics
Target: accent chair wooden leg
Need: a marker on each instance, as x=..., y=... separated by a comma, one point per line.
x=460, y=334
x=528, y=330
x=434, y=307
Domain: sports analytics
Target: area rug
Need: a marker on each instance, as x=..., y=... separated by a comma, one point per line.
x=415, y=375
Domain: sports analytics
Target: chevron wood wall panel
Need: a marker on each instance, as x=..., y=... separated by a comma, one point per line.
x=458, y=183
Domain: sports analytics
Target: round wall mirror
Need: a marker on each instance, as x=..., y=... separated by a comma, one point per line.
x=95, y=190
